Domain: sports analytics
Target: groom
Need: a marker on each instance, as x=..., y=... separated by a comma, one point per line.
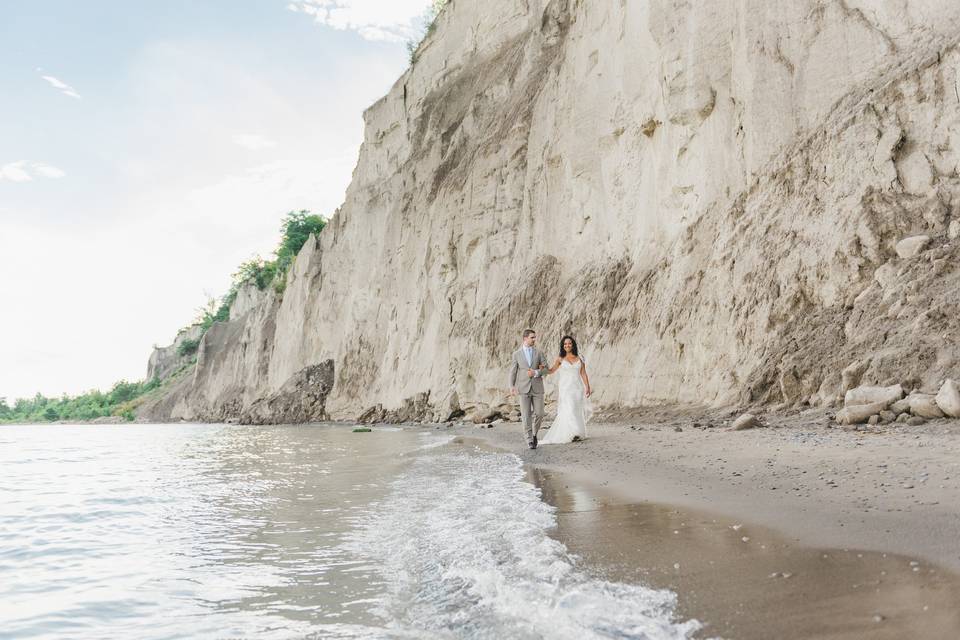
x=533, y=364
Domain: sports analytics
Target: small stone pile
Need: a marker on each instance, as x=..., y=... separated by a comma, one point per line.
x=882, y=405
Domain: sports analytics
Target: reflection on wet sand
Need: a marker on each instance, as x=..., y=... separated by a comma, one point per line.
x=747, y=582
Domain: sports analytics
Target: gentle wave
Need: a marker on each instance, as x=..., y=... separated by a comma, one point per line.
x=215, y=531
x=463, y=544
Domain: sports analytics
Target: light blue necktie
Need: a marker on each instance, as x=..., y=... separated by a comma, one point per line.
x=529, y=353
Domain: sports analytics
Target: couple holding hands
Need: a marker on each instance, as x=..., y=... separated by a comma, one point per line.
x=528, y=367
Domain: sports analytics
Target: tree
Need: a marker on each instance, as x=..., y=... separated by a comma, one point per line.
x=187, y=347
x=296, y=230
x=123, y=391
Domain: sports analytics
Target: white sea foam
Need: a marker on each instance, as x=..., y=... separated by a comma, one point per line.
x=463, y=545
x=432, y=441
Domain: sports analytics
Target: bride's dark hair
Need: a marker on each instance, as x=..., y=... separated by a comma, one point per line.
x=573, y=351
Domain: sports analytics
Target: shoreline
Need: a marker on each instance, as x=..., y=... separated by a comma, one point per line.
x=745, y=581
x=890, y=488
x=893, y=489
x=638, y=505
x=747, y=527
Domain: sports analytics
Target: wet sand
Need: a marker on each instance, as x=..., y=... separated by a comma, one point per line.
x=850, y=534
x=745, y=581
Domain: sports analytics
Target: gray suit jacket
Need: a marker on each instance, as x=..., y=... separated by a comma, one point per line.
x=518, y=372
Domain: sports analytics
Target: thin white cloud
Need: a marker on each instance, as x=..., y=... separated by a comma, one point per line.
x=62, y=86
x=254, y=141
x=377, y=20
x=24, y=171
x=47, y=171
x=14, y=172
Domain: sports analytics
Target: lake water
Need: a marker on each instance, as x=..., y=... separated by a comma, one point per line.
x=227, y=531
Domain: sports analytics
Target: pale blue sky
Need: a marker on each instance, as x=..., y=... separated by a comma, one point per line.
x=147, y=148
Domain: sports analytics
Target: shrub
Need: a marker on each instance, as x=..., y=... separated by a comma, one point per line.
x=123, y=391
x=296, y=229
x=187, y=347
x=429, y=26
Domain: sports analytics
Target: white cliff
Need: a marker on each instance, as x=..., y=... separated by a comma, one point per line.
x=166, y=360
x=708, y=195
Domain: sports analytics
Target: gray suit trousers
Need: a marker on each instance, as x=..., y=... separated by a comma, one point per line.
x=531, y=414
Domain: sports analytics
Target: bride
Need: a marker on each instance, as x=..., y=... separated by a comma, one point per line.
x=573, y=393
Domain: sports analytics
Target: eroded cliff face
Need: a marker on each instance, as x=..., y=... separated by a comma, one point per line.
x=166, y=360
x=708, y=195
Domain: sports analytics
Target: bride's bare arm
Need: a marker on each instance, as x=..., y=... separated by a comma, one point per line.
x=583, y=376
x=556, y=364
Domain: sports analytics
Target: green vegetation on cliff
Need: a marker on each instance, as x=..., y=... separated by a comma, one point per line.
x=295, y=229
x=429, y=25
x=123, y=398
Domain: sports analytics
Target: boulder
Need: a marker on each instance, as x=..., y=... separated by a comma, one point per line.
x=850, y=377
x=827, y=391
x=487, y=415
x=953, y=231
x=873, y=395
x=886, y=417
x=948, y=398
x=903, y=417
x=874, y=419
x=916, y=421
x=924, y=405
x=859, y=413
x=790, y=387
x=909, y=247
x=886, y=275
x=746, y=421
x=900, y=406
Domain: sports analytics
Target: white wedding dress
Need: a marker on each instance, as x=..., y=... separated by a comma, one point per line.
x=573, y=407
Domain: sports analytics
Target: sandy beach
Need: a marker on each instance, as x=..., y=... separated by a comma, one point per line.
x=794, y=530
